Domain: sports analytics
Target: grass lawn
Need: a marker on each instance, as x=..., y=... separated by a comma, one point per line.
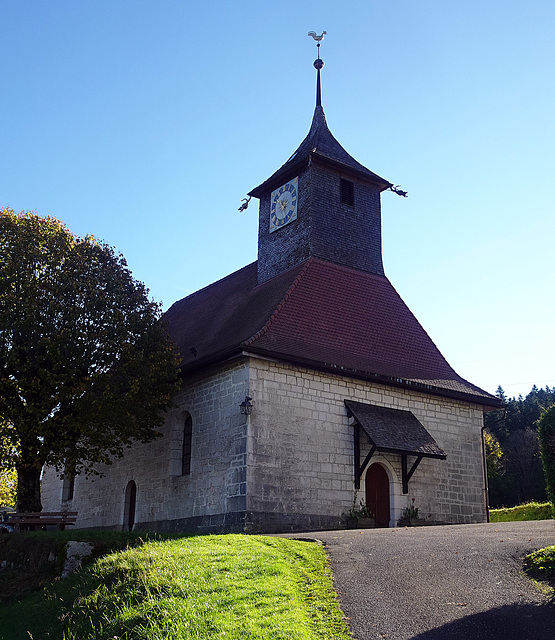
x=528, y=511
x=540, y=565
x=202, y=587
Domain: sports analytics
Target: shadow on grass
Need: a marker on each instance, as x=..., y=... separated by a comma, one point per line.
x=30, y=560
x=522, y=622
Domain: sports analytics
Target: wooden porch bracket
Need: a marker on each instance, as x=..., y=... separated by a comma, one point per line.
x=407, y=475
x=359, y=468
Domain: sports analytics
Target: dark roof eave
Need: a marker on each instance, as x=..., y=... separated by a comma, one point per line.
x=367, y=176
x=216, y=358
x=383, y=379
x=491, y=401
x=407, y=452
x=277, y=178
x=239, y=350
x=288, y=172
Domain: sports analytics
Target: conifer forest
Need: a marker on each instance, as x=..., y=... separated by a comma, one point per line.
x=515, y=472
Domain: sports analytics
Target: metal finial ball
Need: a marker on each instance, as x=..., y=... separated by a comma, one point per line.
x=318, y=63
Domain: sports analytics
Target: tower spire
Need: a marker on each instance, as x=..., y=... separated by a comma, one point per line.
x=318, y=65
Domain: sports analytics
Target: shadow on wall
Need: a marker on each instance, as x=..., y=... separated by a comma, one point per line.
x=511, y=622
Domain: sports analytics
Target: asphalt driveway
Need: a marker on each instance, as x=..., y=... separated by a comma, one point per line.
x=435, y=583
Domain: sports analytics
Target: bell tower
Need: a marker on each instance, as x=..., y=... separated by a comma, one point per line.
x=320, y=203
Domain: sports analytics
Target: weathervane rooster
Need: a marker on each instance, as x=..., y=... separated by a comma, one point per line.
x=316, y=37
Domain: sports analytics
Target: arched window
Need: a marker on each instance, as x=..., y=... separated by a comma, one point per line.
x=68, y=486
x=187, y=440
x=129, y=506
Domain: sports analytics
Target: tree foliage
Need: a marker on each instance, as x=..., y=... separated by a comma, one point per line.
x=494, y=454
x=517, y=475
x=546, y=432
x=494, y=464
x=85, y=365
x=8, y=488
x=8, y=474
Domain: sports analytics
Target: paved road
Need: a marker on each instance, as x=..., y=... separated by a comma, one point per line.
x=436, y=583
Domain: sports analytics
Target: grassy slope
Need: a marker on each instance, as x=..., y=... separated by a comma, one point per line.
x=540, y=565
x=205, y=587
x=34, y=559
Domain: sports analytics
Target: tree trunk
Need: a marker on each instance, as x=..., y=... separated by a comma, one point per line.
x=28, y=489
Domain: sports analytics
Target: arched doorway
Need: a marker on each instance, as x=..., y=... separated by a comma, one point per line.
x=129, y=508
x=377, y=494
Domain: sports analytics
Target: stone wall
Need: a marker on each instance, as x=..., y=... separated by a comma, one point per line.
x=302, y=450
x=288, y=466
x=206, y=498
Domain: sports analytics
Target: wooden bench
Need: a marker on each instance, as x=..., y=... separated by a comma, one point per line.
x=43, y=518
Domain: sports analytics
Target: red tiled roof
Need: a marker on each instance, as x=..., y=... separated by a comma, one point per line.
x=319, y=314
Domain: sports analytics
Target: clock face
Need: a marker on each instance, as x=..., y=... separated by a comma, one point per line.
x=283, y=205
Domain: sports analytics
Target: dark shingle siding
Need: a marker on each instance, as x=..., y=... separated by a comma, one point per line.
x=290, y=245
x=349, y=236
x=324, y=228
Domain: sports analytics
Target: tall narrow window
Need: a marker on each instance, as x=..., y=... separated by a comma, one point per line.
x=68, y=487
x=129, y=506
x=347, y=193
x=186, y=451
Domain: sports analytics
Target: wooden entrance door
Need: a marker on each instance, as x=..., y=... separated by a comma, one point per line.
x=377, y=494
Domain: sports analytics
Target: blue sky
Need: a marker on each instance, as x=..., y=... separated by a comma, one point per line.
x=145, y=123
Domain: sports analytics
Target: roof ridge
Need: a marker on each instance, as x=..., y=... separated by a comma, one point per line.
x=279, y=306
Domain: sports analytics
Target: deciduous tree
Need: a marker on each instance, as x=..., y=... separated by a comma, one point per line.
x=85, y=365
x=8, y=474
x=8, y=488
x=495, y=470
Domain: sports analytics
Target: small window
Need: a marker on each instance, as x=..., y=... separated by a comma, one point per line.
x=347, y=193
x=186, y=451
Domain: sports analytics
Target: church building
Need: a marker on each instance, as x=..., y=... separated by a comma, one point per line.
x=307, y=383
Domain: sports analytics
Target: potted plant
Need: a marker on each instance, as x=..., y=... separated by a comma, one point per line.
x=359, y=516
x=409, y=517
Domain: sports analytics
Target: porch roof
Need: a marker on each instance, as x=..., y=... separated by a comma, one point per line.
x=394, y=430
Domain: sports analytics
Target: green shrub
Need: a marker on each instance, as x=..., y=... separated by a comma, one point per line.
x=540, y=565
x=528, y=511
x=546, y=434
x=542, y=561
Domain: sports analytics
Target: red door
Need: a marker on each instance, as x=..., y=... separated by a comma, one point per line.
x=377, y=494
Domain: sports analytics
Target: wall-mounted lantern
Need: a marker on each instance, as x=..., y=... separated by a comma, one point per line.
x=246, y=406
